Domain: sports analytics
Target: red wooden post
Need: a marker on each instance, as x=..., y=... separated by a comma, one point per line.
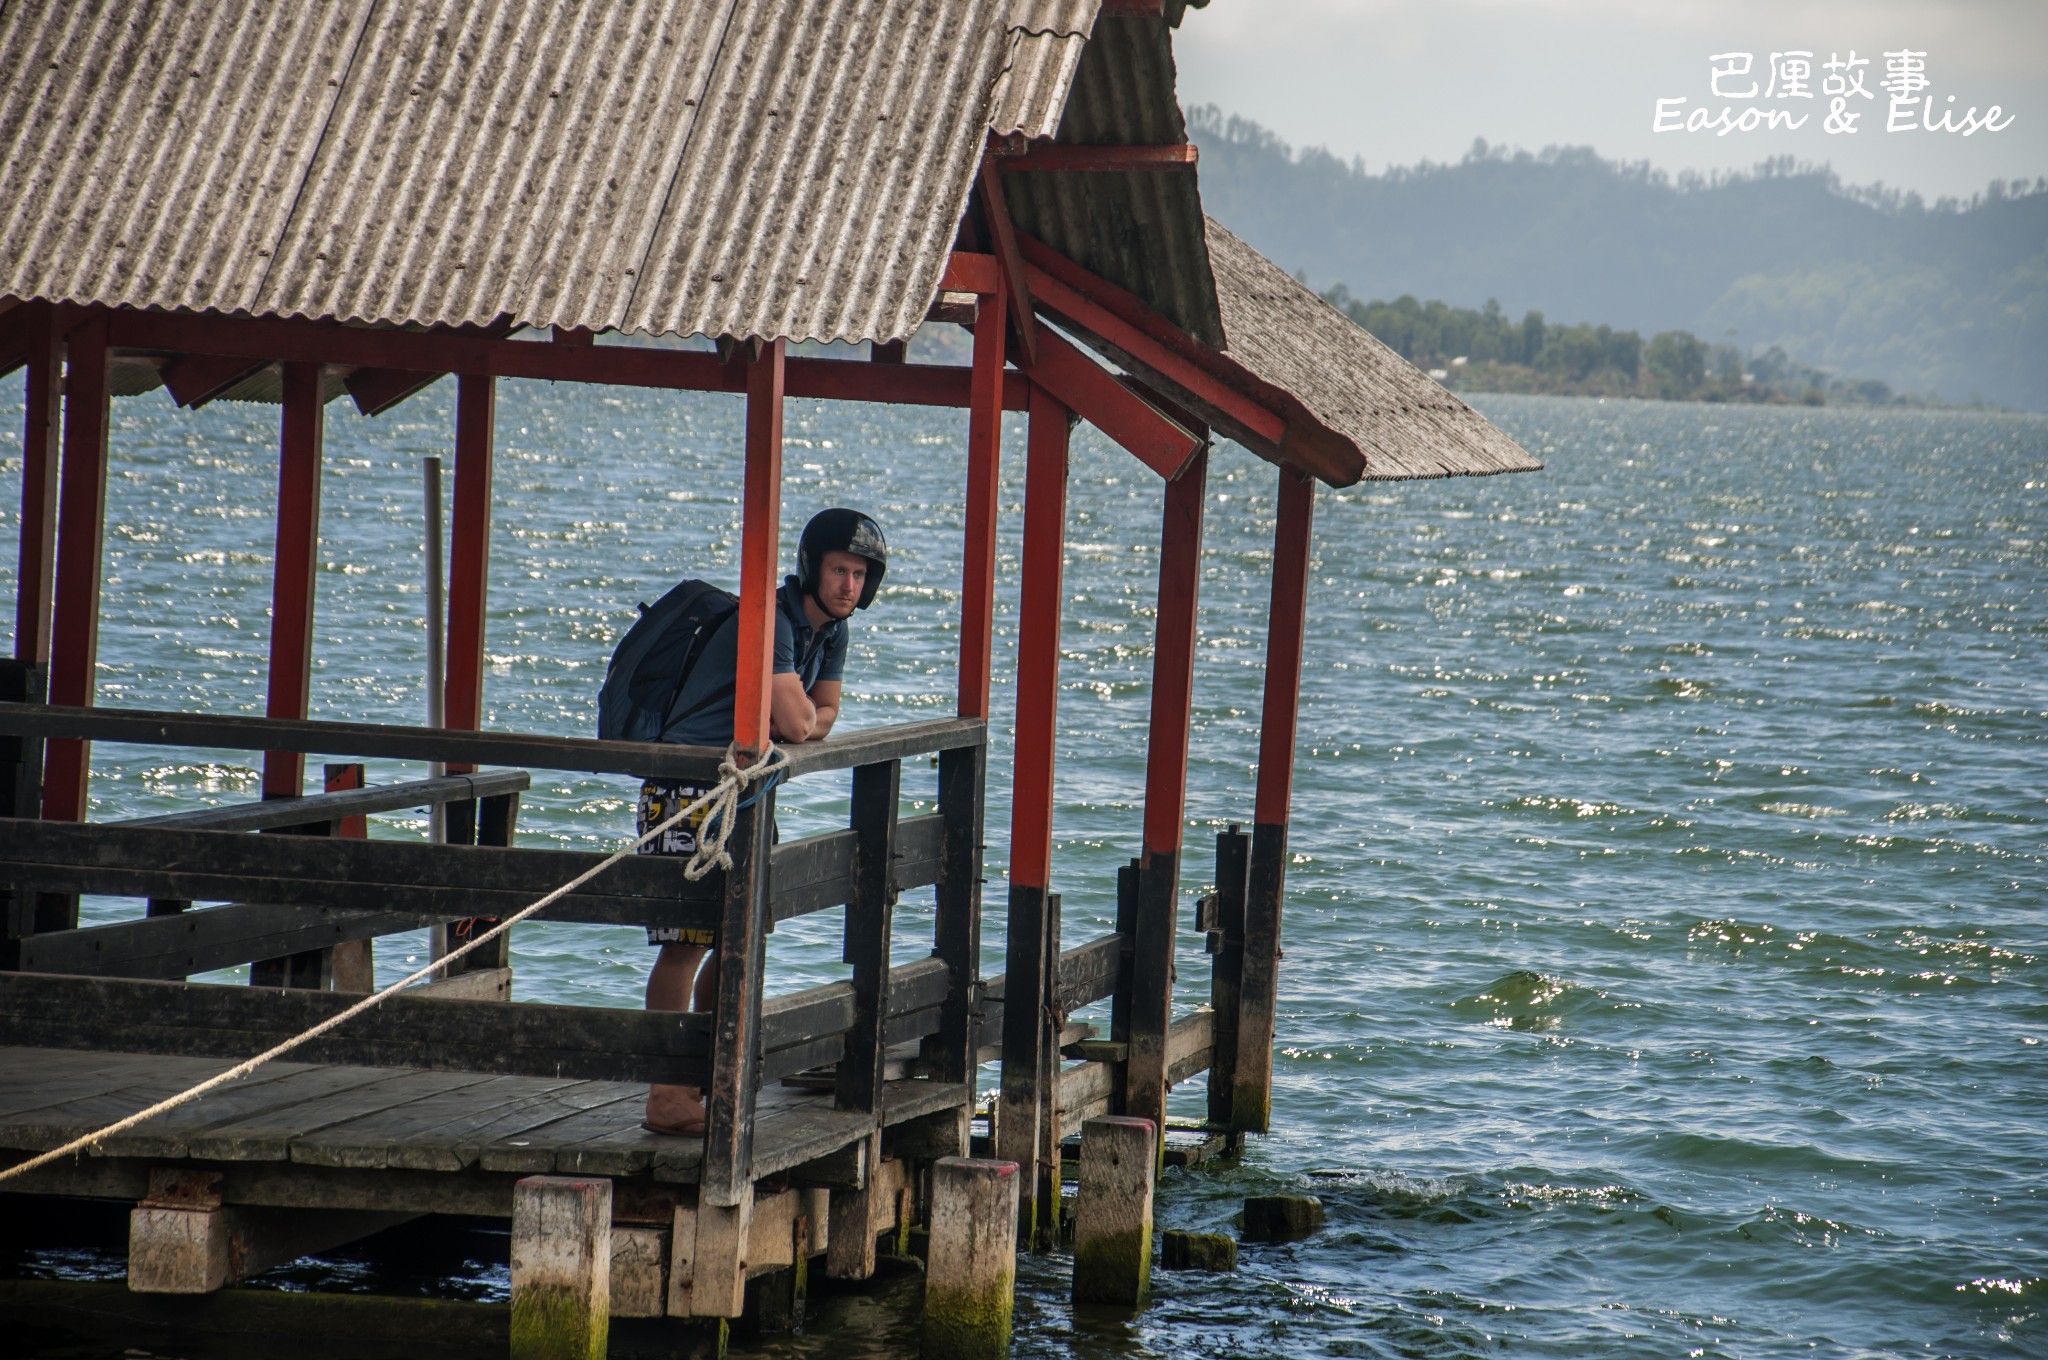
x=1166, y=777
x=1252, y=1097
x=44, y=402
x=469, y=552
x=81, y=526
x=726, y=1176
x=296, y=570
x=984, y=465
x=760, y=548
x=1038, y=640
x=1029, y=953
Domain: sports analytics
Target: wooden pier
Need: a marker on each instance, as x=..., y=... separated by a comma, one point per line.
x=526, y=192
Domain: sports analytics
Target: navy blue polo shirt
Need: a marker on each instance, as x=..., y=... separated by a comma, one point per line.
x=800, y=650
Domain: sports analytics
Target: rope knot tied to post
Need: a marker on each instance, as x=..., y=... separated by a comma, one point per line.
x=721, y=806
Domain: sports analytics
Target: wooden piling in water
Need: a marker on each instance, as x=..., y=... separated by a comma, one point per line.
x=561, y=1268
x=1113, y=1215
x=971, y=1263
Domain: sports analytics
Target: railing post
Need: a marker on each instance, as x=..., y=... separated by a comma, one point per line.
x=354, y=962
x=866, y=949
x=1259, y=985
x=727, y=1177
x=958, y=943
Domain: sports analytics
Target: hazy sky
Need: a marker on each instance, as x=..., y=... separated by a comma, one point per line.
x=1399, y=81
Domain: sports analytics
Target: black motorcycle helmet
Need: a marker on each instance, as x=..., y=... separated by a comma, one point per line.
x=842, y=530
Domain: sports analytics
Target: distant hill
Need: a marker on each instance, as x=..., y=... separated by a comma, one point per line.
x=1947, y=300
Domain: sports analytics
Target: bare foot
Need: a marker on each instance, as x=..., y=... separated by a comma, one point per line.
x=675, y=1110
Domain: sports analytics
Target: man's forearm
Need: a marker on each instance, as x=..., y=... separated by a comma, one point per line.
x=821, y=722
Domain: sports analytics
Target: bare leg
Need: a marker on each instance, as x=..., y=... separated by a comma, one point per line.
x=678, y=970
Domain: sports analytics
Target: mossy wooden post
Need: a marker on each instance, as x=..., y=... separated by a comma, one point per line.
x=1113, y=1216
x=561, y=1268
x=971, y=1264
x=1226, y=973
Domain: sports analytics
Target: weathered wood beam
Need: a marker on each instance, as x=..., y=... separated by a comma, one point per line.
x=652, y=759
x=200, y=1020
x=173, y=947
x=818, y=871
x=323, y=871
x=329, y=807
x=1100, y=159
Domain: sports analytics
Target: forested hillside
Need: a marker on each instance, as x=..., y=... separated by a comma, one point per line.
x=1948, y=299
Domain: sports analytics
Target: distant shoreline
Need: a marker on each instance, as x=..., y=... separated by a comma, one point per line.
x=1520, y=380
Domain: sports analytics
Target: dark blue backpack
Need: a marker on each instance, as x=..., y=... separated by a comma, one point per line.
x=654, y=658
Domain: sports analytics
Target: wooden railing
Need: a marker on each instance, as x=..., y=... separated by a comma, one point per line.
x=120, y=986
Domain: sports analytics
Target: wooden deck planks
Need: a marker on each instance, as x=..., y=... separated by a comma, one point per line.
x=360, y=1119
x=430, y=1134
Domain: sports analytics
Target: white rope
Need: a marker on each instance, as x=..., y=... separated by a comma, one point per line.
x=724, y=801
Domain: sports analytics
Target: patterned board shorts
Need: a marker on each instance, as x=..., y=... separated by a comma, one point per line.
x=659, y=801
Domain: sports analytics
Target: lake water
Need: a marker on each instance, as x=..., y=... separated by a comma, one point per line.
x=1666, y=959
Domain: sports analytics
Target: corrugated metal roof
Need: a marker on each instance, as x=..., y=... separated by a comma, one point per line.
x=746, y=167
x=1065, y=18
x=1141, y=230
x=1290, y=339
x=1046, y=41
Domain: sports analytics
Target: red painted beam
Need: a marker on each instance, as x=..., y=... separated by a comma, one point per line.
x=377, y=390
x=81, y=528
x=1094, y=393
x=1286, y=625
x=1038, y=641
x=969, y=272
x=19, y=324
x=1123, y=321
x=984, y=468
x=995, y=211
x=42, y=349
x=296, y=569
x=469, y=555
x=1173, y=659
x=269, y=338
x=196, y=379
x=760, y=549
x=1102, y=159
